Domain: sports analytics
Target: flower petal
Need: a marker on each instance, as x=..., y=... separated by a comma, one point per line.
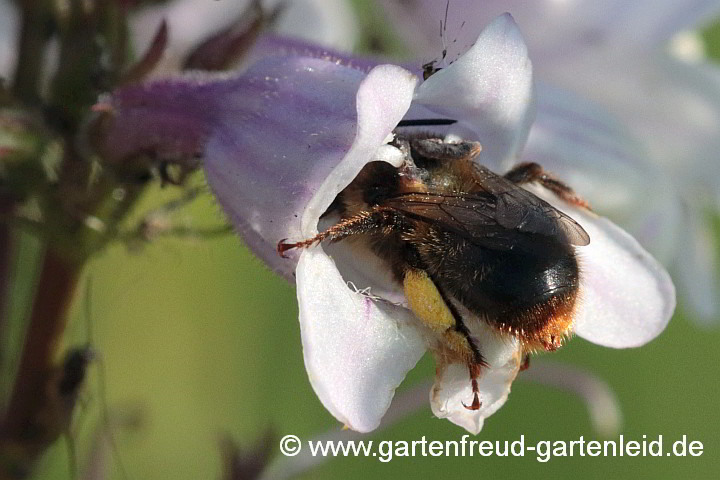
x=489, y=89
x=382, y=100
x=268, y=45
x=590, y=151
x=553, y=28
x=274, y=138
x=453, y=390
x=680, y=120
x=627, y=297
x=357, y=351
x=270, y=138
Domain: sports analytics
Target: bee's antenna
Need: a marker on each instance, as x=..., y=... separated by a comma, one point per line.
x=429, y=68
x=443, y=31
x=426, y=122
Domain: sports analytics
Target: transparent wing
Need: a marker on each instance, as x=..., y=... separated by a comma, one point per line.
x=492, y=213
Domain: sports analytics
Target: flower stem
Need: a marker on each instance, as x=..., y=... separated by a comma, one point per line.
x=600, y=400
x=5, y=265
x=33, y=36
x=25, y=425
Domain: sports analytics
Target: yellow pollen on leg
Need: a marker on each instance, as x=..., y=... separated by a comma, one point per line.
x=426, y=302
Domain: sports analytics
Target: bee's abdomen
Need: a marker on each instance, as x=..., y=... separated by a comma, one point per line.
x=529, y=291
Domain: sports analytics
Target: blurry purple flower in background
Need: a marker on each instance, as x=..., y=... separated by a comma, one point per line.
x=637, y=61
x=191, y=22
x=281, y=140
x=330, y=24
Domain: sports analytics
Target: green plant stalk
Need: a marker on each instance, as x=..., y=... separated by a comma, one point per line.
x=35, y=416
x=48, y=318
x=33, y=35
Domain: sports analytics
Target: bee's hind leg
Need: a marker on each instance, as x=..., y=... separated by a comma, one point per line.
x=431, y=305
x=532, y=172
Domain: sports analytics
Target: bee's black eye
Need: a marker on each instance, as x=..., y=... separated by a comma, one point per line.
x=380, y=180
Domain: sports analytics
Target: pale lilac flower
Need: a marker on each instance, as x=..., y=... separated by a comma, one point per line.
x=9, y=31
x=281, y=140
x=331, y=24
x=638, y=61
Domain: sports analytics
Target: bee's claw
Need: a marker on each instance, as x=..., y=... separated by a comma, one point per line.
x=283, y=247
x=474, y=373
x=476, y=403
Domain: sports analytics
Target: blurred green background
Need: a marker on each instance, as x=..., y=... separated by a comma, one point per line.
x=199, y=339
x=204, y=340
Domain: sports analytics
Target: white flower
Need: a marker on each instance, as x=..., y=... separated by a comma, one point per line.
x=281, y=140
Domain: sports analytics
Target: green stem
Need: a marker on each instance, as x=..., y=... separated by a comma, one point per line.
x=33, y=36
x=57, y=283
x=5, y=265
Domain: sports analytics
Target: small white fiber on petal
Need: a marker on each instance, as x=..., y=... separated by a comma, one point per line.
x=357, y=350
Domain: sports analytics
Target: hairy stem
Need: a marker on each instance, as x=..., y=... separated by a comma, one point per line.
x=57, y=283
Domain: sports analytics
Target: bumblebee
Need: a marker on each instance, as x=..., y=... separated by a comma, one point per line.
x=466, y=245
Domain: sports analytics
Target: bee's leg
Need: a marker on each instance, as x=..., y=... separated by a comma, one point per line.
x=526, y=363
x=379, y=219
x=532, y=172
x=431, y=306
x=439, y=150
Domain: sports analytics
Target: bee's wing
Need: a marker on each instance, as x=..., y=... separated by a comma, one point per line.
x=522, y=210
x=491, y=216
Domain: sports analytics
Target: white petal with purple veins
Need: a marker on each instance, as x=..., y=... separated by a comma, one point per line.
x=382, y=100
x=288, y=124
x=357, y=351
